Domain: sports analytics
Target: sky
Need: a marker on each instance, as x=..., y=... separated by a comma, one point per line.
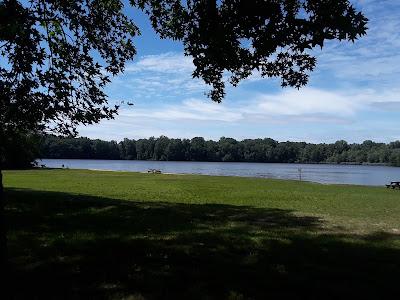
x=353, y=94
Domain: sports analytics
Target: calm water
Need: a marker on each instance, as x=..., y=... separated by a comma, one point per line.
x=342, y=174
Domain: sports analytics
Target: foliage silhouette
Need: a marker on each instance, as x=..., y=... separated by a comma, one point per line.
x=237, y=37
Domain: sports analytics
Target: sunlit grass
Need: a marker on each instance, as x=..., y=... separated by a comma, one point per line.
x=113, y=235
x=355, y=207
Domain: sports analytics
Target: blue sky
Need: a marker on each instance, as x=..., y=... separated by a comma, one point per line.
x=354, y=93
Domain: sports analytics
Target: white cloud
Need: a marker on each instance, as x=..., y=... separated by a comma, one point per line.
x=170, y=62
x=190, y=109
x=283, y=116
x=159, y=76
x=372, y=59
x=307, y=101
x=287, y=106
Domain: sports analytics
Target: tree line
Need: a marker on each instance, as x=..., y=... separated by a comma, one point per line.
x=20, y=150
x=223, y=150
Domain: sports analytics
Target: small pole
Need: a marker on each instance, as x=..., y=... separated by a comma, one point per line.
x=299, y=169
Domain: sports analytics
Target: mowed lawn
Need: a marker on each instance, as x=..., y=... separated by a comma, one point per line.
x=78, y=234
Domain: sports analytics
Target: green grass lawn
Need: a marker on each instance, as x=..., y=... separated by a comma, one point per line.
x=113, y=235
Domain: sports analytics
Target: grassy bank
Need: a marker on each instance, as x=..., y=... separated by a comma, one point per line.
x=113, y=235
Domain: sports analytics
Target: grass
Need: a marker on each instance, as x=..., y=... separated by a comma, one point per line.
x=113, y=235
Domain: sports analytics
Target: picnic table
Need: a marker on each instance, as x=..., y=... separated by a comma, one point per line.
x=393, y=185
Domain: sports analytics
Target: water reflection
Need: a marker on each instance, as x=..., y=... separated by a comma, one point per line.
x=342, y=174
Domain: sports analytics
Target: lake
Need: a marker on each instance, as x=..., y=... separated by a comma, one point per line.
x=323, y=173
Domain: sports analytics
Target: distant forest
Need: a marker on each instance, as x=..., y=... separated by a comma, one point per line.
x=226, y=150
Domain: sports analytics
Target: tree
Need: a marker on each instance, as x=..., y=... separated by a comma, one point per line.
x=229, y=149
x=57, y=56
x=20, y=151
x=340, y=146
x=240, y=36
x=145, y=148
x=198, y=149
x=212, y=150
x=127, y=149
x=160, y=147
x=105, y=150
x=175, y=150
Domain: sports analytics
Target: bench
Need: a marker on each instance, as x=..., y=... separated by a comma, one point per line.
x=154, y=171
x=393, y=185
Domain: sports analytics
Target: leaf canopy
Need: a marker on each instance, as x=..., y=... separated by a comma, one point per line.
x=56, y=56
x=240, y=36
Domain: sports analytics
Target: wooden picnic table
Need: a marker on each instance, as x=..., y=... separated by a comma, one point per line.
x=393, y=185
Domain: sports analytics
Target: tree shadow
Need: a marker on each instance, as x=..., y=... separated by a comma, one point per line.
x=78, y=247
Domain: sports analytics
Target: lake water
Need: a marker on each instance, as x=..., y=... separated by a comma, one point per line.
x=341, y=174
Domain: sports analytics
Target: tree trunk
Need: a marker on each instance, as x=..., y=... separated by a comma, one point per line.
x=3, y=230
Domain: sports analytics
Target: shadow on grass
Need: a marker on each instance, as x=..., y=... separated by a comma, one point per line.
x=73, y=246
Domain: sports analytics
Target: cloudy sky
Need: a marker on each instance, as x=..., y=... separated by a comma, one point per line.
x=354, y=93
